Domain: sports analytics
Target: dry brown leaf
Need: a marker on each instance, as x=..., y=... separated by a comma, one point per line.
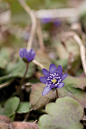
x=78, y=82
x=4, y=126
x=23, y=125
x=4, y=119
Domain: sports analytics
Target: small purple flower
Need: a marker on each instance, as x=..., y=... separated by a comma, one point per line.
x=53, y=78
x=45, y=20
x=57, y=22
x=27, y=55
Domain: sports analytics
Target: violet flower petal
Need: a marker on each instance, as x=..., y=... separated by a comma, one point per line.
x=46, y=90
x=64, y=76
x=60, y=70
x=24, y=52
x=43, y=80
x=32, y=54
x=21, y=53
x=52, y=86
x=57, y=22
x=28, y=55
x=45, y=72
x=61, y=85
x=52, y=68
x=46, y=20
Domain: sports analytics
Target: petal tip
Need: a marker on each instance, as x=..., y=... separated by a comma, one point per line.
x=45, y=72
x=61, y=85
x=46, y=91
x=43, y=80
x=52, y=68
x=64, y=76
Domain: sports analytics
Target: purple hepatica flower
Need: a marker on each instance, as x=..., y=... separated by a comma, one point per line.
x=45, y=20
x=27, y=55
x=57, y=22
x=53, y=78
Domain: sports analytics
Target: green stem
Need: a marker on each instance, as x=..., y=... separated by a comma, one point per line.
x=21, y=82
x=24, y=73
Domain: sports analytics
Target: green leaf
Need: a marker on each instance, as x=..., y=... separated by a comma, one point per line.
x=12, y=117
x=6, y=77
x=78, y=82
x=36, y=99
x=62, y=62
x=1, y=110
x=4, y=57
x=23, y=107
x=66, y=113
x=76, y=93
x=18, y=69
x=11, y=106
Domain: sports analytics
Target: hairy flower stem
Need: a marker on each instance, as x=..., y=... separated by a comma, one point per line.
x=21, y=82
x=57, y=93
x=24, y=73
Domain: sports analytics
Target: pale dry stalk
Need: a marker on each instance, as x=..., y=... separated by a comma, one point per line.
x=39, y=64
x=34, y=23
x=39, y=34
x=82, y=47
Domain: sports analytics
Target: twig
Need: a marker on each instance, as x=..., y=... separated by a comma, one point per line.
x=37, y=63
x=40, y=37
x=82, y=48
x=5, y=84
x=50, y=13
x=35, y=121
x=71, y=56
x=57, y=13
x=82, y=51
x=33, y=18
x=70, y=60
x=27, y=115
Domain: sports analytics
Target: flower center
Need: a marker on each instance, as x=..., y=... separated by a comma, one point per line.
x=54, y=81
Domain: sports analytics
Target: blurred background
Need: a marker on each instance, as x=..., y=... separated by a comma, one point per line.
x=56, y=30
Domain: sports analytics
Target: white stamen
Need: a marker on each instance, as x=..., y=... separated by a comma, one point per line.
x=48, y=79
x=56, y=77
x=60, y=80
